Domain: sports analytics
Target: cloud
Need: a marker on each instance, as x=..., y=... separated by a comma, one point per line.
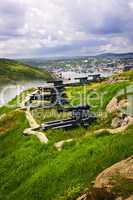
x=65, y=27
x=12, y=20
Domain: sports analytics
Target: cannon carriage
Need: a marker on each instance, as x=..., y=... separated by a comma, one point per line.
x=80, y=116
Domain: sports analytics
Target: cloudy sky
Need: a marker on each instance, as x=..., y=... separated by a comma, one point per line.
x=32, y=28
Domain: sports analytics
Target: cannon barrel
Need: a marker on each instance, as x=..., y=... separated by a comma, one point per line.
x=77, y=108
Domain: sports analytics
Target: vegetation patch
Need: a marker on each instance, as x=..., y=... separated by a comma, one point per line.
x=10, y=71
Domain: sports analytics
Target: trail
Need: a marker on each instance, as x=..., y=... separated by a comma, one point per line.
x=33, y=130
x=34, y=126
x=113, y=131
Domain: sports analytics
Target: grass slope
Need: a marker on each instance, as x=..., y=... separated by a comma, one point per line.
x=13, y=71
x=33, y=171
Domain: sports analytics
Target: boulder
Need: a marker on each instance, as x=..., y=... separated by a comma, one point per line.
x=123, y=103
x=59, y=145
x=97, y=194
x=123, y=168
x=113, y=105
x=102, y=189
x=116, y=122
x=130, y=198
x=127, y=121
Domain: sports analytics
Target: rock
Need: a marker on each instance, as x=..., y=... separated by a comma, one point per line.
x=113, y=105
x=83, y=197
x=123, y=103
x=102, y=189
x=108, y=131
x=97, y=194
x=59, y=145
x=41, y=136
x=102, y=132
x=116, y=122
x=122, y=121
x=127, y=121
x=122, y=115
x=123, y=168
x=121, y=198
x=130, y=198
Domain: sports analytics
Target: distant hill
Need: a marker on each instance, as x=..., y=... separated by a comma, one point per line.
x=116, y=55
x=13, y=71
x=57, y=60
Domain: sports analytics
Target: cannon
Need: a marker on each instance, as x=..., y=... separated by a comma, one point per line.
x=80, y=116
x=54, y=94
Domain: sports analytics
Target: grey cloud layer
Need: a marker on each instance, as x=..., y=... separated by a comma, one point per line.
x=71, y=27
x=12, y=16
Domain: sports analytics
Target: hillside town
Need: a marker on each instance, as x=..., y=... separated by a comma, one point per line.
x=69, y=69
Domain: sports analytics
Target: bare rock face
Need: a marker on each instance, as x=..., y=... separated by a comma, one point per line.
x=116, y=122
x=130, y=198
x=102, y=189
x=127, y=121
x=123, y=103
x=116, y=105
x=97, y=194
x=123, y=168
x=113, y=105
x=122, y=121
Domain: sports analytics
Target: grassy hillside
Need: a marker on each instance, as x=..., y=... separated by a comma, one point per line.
x=34, y=171
x=12, y=72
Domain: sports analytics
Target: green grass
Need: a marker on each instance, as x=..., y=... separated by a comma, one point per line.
x=97, y=96
x=30, y=170
x=16, y=102
x=122, y=186
x=12, y=72
x=34, y=171
x=4, y=110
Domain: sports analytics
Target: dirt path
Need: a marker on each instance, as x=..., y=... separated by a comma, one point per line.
x=33, y=124
x=41, y=136
x=27, y=99
x=112, y=131
x=34, y=127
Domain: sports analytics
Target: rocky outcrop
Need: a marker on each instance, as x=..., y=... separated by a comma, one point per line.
x=97, y=194
x=123, y=168
x=104, y=184
x=130, y=198
x=121, y=121
x=116, y=122
x=119, y=124
x=113, y=105
x=116, y=105
x=41, y=136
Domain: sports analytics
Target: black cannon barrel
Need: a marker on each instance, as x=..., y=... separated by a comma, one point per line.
x=77, y=108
